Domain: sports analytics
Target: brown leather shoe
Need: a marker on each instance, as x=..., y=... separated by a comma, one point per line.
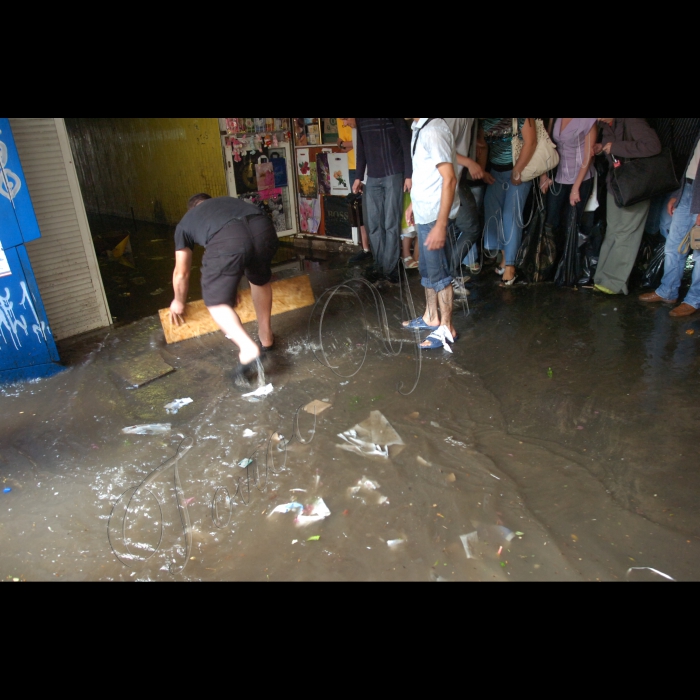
x=653, y=297
x=683, y=310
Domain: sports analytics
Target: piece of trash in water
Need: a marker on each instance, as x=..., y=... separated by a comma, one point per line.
x=174, y=406
x=469, y=542
x=690, y=332
x=373, y=438
x=414, y=416
x=395, y=543
x=451, y=478
x=653, y=571
x=455, y=443
x=298, y=491
x=295, y=541
x=248, y=433
x=368, y=492
x=314, y=513
x=262, y=391
x=157, y=292
x=434, y=424
x=153, y=429
x=423, y=462
x=498, y=478
x=495, y=533
x=190, y=501
x=550, y=373
x=8, y=490
x=314, y=539
x=287, y=508
x=344, y=383
x=317, y=407
x=245, y=463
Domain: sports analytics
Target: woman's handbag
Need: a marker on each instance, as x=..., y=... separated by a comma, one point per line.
x=546, y=156
x=636, y=180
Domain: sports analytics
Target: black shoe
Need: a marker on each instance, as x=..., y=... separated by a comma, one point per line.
x=373, y=275
x=393, y=278
x=361, y=257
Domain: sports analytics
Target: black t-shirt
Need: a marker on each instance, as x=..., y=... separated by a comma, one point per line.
x=203, y=222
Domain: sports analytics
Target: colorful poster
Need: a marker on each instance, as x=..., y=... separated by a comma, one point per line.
x=307, y=174
x=310, y=214
x=324, y=173
x=340, y=174
x=5, y=270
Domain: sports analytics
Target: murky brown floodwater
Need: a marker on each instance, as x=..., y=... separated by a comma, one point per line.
x=592, y=463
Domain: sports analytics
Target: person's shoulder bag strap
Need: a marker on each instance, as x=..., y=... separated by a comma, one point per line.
x=415, y=143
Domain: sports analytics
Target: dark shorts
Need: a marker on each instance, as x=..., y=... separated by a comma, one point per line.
x=243, y=248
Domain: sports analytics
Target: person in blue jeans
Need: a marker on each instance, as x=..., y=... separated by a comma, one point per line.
x=507, y=193
x=684, y=207
x=434, y=210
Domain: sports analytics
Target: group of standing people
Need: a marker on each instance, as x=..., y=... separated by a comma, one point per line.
x=444, y=165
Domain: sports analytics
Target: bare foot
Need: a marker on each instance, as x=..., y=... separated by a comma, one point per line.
x=249, y=353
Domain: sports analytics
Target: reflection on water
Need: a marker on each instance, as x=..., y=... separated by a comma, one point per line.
x=557, y=443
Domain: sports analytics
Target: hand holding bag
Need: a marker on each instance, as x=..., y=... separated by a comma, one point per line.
x=635, y=180
x=546, y=156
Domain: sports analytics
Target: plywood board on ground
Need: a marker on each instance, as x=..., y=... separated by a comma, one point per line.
x=143, y=370
x=287, y=295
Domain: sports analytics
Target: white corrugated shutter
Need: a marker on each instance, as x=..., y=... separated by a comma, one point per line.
x=63, y=259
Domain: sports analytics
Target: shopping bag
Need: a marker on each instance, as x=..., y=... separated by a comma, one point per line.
x=279, y=166
x=265, y=175
x=654, y=273
x=340, y=174
x=537, y=256
x=324, y=173
x=569, y=270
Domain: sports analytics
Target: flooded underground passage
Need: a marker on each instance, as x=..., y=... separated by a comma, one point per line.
x=297, y=408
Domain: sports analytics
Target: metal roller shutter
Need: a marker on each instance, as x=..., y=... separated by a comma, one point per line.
x=63, y=259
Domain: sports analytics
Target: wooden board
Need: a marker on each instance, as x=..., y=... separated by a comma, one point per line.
x=142, y=370
x=287, y=295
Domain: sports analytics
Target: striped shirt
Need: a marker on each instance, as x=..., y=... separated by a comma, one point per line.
x=383, y=148
x=680, y=135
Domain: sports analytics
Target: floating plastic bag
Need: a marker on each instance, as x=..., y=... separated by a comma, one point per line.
x=373, y=438
x=153, y=429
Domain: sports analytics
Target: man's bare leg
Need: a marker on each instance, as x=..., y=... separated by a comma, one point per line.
x=230, y=323
x=431, y=317
x=262, y=301
x=445, y=299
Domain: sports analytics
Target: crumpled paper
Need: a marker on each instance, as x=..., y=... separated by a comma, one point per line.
x=368, y=492
x=373, y=438
x=176, y=405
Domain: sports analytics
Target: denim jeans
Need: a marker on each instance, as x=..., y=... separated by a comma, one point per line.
x=383, y=211
x=659, y=219
x=478, y=193
x=434, y=266
x=505, y=206
x=683, y=221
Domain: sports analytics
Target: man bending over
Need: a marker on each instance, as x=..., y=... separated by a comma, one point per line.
x=239, y=240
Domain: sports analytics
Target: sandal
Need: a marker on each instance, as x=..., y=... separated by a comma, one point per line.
x=500, y=271
x=418, y=324
x=440, y=339
x=410, y=263
x=508, y=283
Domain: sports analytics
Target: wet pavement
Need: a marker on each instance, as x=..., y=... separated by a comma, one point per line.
x=556, y=444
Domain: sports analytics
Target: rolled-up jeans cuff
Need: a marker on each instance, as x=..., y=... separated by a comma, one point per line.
x=442, y=284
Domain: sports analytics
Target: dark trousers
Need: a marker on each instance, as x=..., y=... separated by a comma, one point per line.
x=558, y=206
x=383, y=210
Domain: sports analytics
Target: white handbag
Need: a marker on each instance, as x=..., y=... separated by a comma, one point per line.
x=546, y=156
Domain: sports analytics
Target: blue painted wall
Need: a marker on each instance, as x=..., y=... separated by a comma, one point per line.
x=27, y=348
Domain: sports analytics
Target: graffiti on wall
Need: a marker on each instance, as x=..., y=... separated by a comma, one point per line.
x=10, y=183
x=13, y=323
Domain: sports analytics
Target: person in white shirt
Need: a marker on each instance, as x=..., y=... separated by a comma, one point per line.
x=434, y=210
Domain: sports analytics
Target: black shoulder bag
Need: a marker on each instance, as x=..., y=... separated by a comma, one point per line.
x=635, y=180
